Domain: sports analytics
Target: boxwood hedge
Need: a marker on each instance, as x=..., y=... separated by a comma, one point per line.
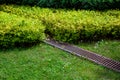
x=71, y=25
x=15, y=31
x=74, y=26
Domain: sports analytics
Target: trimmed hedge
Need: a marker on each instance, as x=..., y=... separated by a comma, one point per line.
x=26, y=11
x=71, y=25
x=77, y=4
x=74, y=26
x=16, y=31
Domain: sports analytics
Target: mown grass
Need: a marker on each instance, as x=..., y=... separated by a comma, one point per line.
x=43, y=62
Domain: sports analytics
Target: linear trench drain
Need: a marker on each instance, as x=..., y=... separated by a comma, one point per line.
x=107, y=62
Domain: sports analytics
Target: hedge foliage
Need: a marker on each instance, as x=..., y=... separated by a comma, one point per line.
x=77, y=4
x=71, y=25
x=16, y=31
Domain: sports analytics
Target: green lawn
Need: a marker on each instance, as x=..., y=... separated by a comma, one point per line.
x=43, y=62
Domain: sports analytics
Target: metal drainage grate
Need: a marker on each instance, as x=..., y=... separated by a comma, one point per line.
x=107, y=62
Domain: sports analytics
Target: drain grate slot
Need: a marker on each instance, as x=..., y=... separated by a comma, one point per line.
x=107, y=62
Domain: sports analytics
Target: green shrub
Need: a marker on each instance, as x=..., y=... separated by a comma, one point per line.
x=16, y=30
x=26, y=11
x=73, y=26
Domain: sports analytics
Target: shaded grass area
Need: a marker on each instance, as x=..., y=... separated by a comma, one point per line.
x=43, y=62
x=108, y=48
